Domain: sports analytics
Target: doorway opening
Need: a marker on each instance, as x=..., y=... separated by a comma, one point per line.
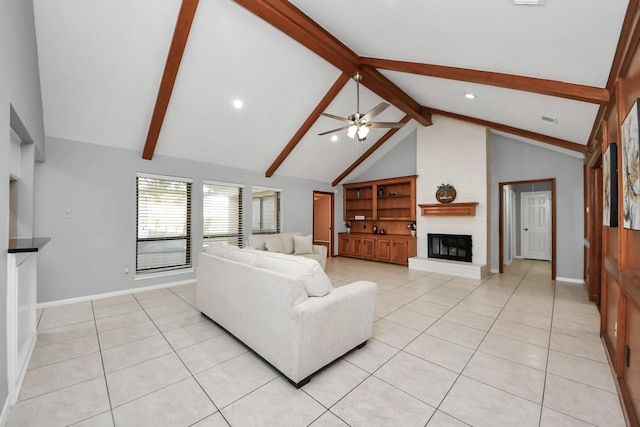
x=323, y=220
x=527, y=231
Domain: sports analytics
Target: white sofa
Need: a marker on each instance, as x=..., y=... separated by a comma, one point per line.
x=289, y=243
x=267, y=301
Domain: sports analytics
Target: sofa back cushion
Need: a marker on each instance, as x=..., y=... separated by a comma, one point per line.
x=282, y=242
x=315, y=281
x=221, y=249
x=245, y=256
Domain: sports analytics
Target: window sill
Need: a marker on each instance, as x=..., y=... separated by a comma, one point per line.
x=164, y=274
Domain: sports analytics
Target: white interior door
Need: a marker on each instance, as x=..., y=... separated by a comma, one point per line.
x=536, y=225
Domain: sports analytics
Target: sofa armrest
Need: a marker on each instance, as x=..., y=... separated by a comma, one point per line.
x=320, y=250
x=334, y=324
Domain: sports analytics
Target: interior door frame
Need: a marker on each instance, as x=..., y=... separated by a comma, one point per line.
x=553, y=221
x=330, y=249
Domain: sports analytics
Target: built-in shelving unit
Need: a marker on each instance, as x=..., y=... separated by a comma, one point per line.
x=386, y=204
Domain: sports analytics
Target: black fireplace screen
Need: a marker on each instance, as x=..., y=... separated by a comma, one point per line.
x=454, y=247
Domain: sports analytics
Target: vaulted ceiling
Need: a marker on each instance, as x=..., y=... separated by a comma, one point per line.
x=160, y=76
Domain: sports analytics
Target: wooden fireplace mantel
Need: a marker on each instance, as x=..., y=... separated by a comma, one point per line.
x=449, y=209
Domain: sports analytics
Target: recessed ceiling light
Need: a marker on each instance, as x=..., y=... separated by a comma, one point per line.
x=334, y=138
x=237, y=104
x=469, y=95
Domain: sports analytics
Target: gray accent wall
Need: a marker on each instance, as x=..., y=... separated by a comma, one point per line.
x=399, y=161
x=89, y=252
x=513, y=160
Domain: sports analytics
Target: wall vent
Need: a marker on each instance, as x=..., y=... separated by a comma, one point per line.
x=529, y=2
x=549, y=120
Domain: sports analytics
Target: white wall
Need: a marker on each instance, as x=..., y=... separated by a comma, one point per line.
x=456, y=153
x=21, y=109
x=88, y=252
x=513, y=160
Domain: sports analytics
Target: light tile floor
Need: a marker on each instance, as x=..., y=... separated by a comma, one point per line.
x=515, y=350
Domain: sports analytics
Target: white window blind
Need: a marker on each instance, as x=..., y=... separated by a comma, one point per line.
x=266, y=211
x=163, y=224
x=222, y=214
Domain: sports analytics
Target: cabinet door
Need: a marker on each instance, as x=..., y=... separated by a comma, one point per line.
x=355, y=246
x=400, y=250
x=369, y=247
x=384, y=249
x=343, y=245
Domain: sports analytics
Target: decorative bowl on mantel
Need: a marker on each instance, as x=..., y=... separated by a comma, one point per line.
x=445, y=193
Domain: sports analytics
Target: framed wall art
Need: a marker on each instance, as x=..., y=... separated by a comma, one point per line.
x=631, y=170
x=610, y=186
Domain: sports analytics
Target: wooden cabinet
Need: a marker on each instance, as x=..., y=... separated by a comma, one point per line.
x=355, y=246
x=384, y=249
x=343, y=244
x=394, y=249
x=369, y=247
x=401, y=249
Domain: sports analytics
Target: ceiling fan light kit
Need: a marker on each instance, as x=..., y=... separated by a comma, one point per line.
x=358, y=124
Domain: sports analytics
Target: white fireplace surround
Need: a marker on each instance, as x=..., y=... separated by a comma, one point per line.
x=457, y=153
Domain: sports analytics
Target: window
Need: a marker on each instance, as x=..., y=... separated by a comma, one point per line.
x=222, y=214
x=267, y=217
x=163, y=224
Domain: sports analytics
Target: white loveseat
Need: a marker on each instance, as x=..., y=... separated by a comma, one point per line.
x=289, y=243
x=284, y=308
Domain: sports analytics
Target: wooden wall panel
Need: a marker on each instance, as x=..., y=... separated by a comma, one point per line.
x=612, y=315
x=632, y=371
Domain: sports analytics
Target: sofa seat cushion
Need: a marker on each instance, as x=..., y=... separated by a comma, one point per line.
x=315, y=281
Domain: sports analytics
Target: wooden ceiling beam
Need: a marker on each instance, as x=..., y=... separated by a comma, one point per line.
x=174, y=57
x=559, y=89
x=515, y=131
x=293, y=22
x=370, y=151
x=313, y=117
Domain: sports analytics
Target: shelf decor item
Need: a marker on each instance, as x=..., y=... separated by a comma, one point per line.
x=445, y=193
x=348, y=225
x=412, y=228
x=610, y=186
x=631, y=169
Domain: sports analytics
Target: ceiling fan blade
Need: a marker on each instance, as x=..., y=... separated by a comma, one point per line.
x=331, y=116
x=334, y=130
x=385, y=124
x=374, y=111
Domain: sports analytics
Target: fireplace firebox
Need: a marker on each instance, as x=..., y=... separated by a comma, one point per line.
x=455, y=247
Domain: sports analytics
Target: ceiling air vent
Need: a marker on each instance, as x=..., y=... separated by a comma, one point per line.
x=529, y=2
x=549, y=120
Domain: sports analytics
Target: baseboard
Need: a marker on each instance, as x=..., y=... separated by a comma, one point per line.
x=569, y=280
x=5, y=412
x=495, y=270
x=112, y=294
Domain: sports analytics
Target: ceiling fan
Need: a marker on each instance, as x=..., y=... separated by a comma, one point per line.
x=359, y=124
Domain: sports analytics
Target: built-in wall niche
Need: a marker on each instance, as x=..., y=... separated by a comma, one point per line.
x=14, y=156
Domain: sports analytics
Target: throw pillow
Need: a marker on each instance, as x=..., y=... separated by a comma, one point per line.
x=273, y=244
x=303, y=245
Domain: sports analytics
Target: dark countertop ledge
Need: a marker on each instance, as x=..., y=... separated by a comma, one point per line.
x=27, y=244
